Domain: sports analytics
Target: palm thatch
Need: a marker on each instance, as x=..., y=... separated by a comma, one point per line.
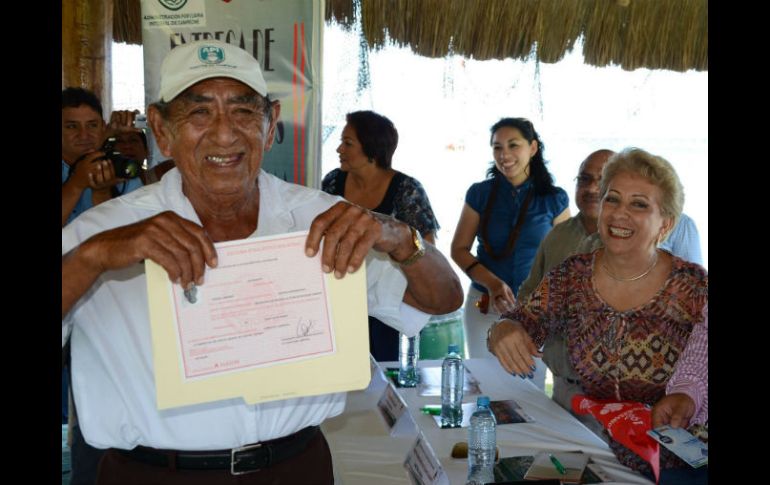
x=340, y=11
x=127, y=21
x=655, y=34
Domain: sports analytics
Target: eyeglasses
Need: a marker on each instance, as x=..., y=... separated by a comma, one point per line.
x=584, y=180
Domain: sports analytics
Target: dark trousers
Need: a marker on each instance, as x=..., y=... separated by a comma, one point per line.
x=84, y=459
x=383, y=341
x=683, y=476
x=311, y=466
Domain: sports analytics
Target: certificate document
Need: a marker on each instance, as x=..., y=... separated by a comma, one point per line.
x=266, y=324
x=261, y=305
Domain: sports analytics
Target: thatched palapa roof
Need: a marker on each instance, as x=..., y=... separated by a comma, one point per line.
x=654, y=34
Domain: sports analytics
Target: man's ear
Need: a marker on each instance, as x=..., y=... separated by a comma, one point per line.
x=159, y=129
x=275, y=108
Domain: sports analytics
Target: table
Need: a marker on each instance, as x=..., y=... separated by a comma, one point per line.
x=364, y=452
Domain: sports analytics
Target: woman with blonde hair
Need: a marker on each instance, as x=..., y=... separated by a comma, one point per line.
x=629, y=312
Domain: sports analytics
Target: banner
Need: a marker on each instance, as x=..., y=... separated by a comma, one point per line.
x=285, y=36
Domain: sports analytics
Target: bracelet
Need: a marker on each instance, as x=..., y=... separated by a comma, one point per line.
x=470, y=267
x=489, y=334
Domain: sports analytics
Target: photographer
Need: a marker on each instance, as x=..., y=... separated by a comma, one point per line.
x=89, y=179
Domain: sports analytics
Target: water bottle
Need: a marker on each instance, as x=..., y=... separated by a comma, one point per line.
x=409, y=352
x=452, y=377
x=482, y=443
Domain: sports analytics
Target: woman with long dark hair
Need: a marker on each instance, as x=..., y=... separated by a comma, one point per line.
x=509, y=213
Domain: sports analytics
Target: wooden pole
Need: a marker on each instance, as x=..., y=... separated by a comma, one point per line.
x=87, y=47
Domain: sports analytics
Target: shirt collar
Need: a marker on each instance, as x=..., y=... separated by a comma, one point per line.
x=277, y=200
x=517, y=190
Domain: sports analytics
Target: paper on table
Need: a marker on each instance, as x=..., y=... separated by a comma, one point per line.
x=542, y=467
x=683, y=444
x=506, y=412
x=268, y=324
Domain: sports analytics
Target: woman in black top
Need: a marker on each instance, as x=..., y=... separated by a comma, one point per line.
x=366, y=178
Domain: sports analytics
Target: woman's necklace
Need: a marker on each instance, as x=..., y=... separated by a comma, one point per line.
x=633, y=278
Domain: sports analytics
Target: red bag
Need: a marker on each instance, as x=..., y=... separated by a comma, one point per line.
x=627, y=422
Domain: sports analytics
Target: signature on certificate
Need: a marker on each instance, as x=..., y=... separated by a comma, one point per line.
x=304, y=327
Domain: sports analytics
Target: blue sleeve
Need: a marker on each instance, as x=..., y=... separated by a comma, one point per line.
x=475, y=197
x=562, y=201
x=684, y=241
x=132, y=185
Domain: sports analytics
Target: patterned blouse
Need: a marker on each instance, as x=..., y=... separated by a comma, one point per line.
x=405, y=199
x=627, y=355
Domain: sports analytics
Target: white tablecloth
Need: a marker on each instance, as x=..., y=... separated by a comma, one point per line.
x=365, y=453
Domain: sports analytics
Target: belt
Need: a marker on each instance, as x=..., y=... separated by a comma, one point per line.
x=249, y=458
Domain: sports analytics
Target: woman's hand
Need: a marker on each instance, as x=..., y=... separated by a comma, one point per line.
x=674, y=410
x=513, y=347
x=501, y=297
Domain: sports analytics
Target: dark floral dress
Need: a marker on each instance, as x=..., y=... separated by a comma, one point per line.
x=407, y=201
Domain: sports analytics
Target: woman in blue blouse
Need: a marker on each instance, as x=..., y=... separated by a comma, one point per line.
x=509, y=213
x=366, y=178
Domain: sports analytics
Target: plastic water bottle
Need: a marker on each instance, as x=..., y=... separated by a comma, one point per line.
x=482, y=443
x=452, y=378
x=409, y=353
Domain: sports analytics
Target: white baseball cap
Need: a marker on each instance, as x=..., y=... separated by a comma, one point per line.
x=190, y=63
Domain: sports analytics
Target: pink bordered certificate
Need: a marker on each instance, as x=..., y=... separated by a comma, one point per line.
x=266, y=324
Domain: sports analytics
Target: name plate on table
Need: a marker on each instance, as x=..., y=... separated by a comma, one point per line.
x=392, y=407
x=422, y=465
x=374, y=368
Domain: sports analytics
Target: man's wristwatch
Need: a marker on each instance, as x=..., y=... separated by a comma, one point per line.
x=419, y=248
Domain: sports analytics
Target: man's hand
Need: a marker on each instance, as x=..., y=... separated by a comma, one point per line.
x=95, y=172
x=180, y=246
x=348, y=232
x=674, y=409
x=121, y=121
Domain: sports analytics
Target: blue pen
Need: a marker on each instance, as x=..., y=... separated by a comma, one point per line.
x=559, y=467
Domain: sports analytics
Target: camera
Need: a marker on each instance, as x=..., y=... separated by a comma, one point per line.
x=124, y=167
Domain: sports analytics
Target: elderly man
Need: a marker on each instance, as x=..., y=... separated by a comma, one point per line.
x=216, y=120
x=561, y=242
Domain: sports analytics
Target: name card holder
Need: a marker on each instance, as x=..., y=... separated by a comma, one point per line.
x=422, y=465
x=392, y=407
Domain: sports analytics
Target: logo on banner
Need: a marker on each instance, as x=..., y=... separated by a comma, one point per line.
x=210, y=54
x=173, y=4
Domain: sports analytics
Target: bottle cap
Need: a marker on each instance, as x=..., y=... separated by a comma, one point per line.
x=482, y=401
x=454, y=348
